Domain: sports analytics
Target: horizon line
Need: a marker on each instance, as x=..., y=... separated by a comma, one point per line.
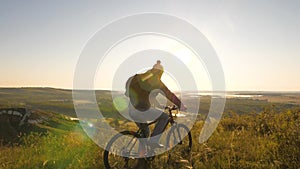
x=107, y=89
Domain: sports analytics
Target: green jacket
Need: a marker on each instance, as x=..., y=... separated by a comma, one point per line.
x=140, y=86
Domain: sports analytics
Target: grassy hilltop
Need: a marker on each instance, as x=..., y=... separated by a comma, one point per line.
x=253, y=133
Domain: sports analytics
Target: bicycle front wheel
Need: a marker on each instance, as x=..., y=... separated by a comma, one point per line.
x=122, y=151
x=179, y=142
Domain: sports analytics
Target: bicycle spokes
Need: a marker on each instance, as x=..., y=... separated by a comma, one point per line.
x=179, y=143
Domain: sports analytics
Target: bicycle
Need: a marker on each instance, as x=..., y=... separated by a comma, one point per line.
x=134, y=148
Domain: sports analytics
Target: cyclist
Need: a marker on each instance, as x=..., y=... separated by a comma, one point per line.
x=142, y=90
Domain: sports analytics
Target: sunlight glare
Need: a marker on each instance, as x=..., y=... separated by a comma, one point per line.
x=173, y=84
x=183, y=54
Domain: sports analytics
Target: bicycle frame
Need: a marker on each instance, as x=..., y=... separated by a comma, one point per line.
x=144, y=151
x=140, y=132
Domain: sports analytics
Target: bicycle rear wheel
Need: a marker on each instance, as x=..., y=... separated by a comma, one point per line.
x=122, y=151
x=179, y=142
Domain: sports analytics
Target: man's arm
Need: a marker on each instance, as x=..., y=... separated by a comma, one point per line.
x=171, y=96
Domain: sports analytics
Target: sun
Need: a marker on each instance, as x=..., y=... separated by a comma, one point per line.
x=170, y=81
x=183, y=54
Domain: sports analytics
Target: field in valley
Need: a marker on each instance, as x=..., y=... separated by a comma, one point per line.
x=261, y=131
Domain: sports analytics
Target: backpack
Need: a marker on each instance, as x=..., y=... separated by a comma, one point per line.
x=138, y=78
x=131, y=80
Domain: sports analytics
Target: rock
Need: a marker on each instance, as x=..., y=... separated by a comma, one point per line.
x=10, y=121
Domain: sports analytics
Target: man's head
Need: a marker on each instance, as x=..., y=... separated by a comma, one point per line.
x=158, y=69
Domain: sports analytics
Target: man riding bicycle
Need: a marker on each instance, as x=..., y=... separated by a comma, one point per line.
x=142, y=90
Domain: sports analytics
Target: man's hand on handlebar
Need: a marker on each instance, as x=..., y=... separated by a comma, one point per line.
x=174, y=107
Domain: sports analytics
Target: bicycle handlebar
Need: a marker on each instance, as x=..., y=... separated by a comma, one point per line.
x=174, y=107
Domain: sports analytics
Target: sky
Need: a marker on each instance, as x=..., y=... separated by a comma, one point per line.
x=257, y=41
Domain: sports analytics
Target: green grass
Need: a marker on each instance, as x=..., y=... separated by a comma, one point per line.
x=267, y=140
x=57, y=143
x=72, y=150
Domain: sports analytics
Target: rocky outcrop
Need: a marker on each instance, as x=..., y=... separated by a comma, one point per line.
x=16, y=116
x=11, y=120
